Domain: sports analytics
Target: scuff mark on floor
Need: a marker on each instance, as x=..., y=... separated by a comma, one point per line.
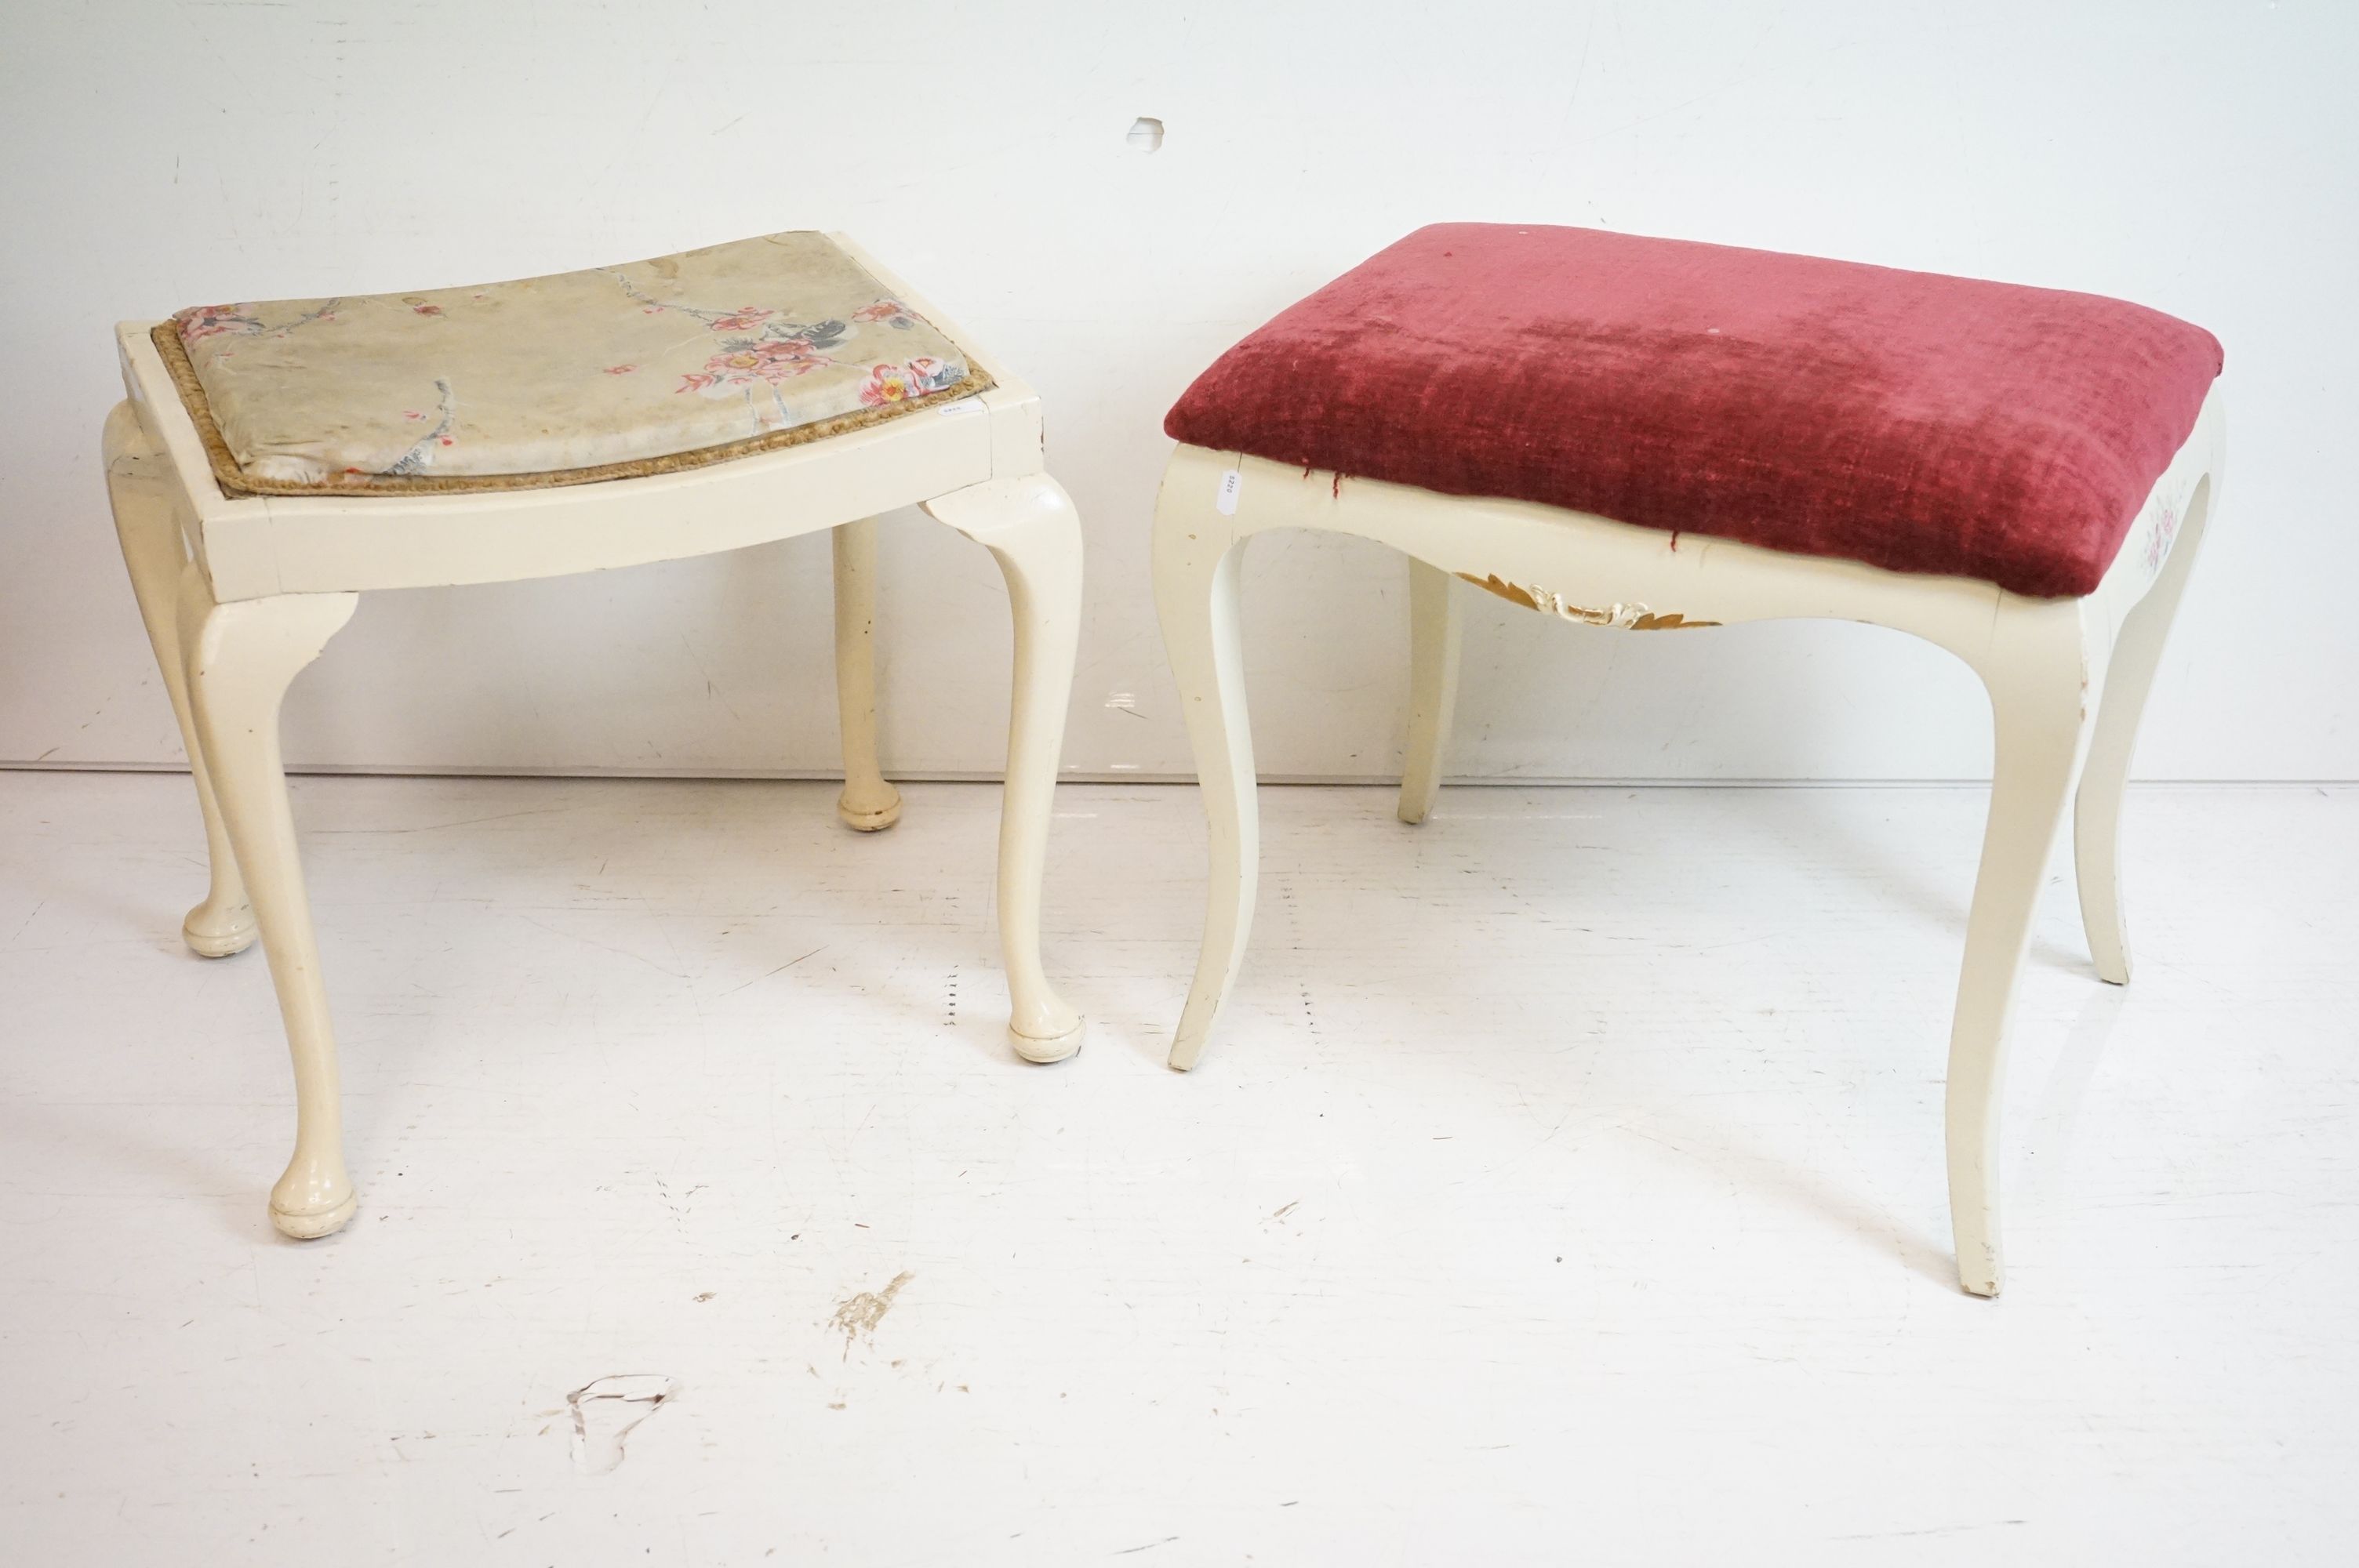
x=858, y=1315
x=607, y=1409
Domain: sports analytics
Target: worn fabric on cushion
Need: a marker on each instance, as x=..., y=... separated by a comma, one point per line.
x=722, y=349
x=1909, y=420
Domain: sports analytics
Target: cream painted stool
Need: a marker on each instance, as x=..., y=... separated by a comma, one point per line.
x=275, y=460
x=2018, y=475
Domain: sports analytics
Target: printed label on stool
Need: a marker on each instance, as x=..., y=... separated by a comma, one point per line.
x=1226, y=497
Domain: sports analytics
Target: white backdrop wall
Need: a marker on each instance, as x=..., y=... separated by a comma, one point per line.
x=2201, y=158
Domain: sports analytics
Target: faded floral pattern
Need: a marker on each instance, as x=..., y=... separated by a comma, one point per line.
x=741, y=364
x=212, y=320
x=422, y=451
x=577, y=370
x=200, y=321
x=898, y=383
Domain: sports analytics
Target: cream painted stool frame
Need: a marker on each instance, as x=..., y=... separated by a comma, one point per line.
x=240, y=593
x=2068, y=681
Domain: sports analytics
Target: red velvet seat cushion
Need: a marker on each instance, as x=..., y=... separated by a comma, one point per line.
x=1913, y=421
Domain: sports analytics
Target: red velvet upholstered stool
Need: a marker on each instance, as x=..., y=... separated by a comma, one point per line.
x=1654, y=435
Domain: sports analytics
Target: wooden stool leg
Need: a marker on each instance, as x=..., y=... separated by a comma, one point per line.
x=1030, y=526
x=2039, y=673
x=240, y=658
x=868, y=803
x=1197, y=559
x=145, y=522
x=2097, y=813
x=1433, y=644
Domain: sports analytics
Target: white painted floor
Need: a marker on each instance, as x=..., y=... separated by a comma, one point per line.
x=1566, y=1186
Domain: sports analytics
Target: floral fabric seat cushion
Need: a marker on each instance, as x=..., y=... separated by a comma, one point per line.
x=1915, y=422
x=580, y=376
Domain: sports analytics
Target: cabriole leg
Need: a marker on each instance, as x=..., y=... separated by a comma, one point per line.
x=1197, y=558
x=1030, y=526
x=146, y=522
x=2039, y=673
x=868, y=803
x=240, y=658
x=2097, y=814
x=1433, y=644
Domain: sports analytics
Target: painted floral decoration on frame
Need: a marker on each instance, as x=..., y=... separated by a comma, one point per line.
x=2166, y=532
